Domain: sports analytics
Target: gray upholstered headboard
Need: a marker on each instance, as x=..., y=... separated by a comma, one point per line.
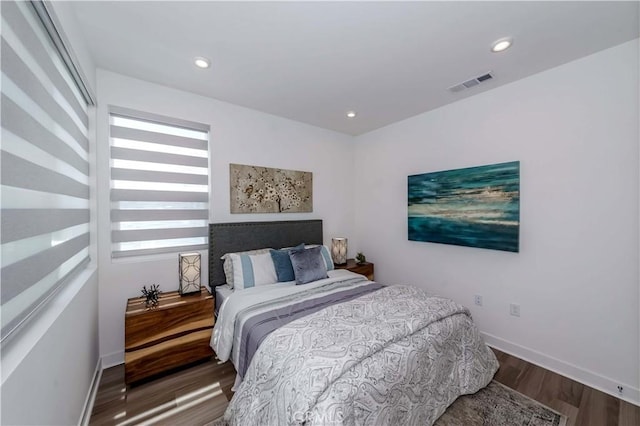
x=241, y=236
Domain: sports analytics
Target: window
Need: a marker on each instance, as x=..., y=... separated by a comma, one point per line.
x=44, y=161
x=159, y=184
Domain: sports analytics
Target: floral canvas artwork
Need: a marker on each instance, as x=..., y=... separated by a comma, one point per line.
x=475, y=207
x=257, y=189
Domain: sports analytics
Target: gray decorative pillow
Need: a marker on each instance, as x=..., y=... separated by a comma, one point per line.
x=308, y=265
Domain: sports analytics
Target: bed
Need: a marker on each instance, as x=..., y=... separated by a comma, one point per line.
x=339, y=349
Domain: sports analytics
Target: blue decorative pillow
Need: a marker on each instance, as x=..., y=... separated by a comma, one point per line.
x=308, y=265
x=282, y=263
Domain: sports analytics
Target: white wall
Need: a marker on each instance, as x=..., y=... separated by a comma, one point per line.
x=48, y=369
x=238, y=135
x=575, y=131
x=49, y=383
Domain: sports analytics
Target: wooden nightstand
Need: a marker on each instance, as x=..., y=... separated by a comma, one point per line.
x=365, y=269
x=173, y=334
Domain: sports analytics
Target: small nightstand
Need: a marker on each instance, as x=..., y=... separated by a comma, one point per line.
x=174, y=333
x=365, y=268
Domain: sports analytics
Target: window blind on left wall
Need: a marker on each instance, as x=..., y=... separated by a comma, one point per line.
x=45, y=166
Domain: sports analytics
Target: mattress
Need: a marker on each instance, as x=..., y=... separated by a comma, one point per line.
x=222, y=292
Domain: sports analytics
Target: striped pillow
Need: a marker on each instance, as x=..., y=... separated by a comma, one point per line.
x=252, y=270
x=227, y=266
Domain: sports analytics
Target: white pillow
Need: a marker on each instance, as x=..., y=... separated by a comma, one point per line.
x=252, y=270
x=227, y=266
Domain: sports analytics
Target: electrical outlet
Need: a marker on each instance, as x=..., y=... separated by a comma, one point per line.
x=477, y=299
x=514, y=310
x=620, y=390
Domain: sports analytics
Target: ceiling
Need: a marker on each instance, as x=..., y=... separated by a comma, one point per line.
x=314, y=61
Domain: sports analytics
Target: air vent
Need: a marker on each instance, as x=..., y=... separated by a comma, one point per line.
x=471, y=83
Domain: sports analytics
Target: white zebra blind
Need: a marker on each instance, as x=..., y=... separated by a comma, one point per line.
x=45, y=167
x=159, y=184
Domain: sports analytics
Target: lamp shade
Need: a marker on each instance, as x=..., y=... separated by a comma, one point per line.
x=189, y=267
x=339, y=250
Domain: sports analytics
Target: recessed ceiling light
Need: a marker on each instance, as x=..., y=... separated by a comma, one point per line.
x=202, y=62
x=501, y=45
x=351, y=114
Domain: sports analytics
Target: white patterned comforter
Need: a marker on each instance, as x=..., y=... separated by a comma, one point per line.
x=396, y=356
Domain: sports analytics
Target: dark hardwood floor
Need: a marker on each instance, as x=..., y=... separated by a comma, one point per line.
x=194, y=396
x=199, y=395
x=584, y=406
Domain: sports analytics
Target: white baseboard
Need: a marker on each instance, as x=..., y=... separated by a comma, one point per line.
x=112, y=359
x=85, y=416
x=589, y=378
x=104, y=362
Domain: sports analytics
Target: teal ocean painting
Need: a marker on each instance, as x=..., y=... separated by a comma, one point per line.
x=475, y=207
